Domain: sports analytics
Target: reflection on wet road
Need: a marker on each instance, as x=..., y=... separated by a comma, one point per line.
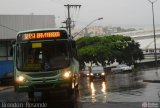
x=93, y=91
x=127, y=87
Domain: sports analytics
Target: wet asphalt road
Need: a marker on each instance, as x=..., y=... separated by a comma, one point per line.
x=118, y=91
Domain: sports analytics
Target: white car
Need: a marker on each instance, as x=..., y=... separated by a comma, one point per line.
x=121, y=68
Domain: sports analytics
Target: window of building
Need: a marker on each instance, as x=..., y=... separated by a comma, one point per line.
x=3, y=51
x=5, y=48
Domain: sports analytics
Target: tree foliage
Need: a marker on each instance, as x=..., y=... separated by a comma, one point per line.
x=108, y=49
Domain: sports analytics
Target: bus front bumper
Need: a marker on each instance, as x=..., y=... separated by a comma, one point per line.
x=44, y=86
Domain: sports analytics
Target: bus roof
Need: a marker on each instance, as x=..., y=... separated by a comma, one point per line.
x=42, y=30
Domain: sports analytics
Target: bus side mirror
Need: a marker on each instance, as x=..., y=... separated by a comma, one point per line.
x=73, y=44
x=12, y=47
x=11, y=51
x=74, y=50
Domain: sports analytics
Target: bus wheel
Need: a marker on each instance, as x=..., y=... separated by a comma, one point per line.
x=31, y=96
x=45, y=96
x=77, y=87
x=70, y=92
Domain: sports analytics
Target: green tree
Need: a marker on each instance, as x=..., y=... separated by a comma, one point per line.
x=107, y=49
x=87, y=50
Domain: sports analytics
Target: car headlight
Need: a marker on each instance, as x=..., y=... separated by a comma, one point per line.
x=87, y=74
x=67, y=74
x=92, y=74
x=103, y=73
x=20, y=79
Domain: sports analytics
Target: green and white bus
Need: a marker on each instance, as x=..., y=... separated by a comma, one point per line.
x=45, y=60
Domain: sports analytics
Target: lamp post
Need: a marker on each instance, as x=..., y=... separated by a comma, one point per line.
x=88, y=25
x=154, y=34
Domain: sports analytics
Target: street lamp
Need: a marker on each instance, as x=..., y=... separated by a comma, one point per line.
x=88, y=25
x=155, y=54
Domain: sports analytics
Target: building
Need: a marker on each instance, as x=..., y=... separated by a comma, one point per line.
x=95, y=31
x=10, y=25
x=88, y=31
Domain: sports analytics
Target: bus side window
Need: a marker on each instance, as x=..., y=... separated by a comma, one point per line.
x=74, y=50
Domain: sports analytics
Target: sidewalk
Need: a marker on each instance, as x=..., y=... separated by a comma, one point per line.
x=152, y=81
x=5, y=87
x=153, y=77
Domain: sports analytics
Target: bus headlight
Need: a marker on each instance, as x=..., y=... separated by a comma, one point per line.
x=67, y=74
x=103, y=73
x=20, y=79
x=91, y=74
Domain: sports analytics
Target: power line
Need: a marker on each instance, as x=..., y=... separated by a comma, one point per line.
x=8, y=28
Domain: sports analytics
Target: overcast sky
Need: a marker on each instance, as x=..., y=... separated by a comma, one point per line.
x=114, y=12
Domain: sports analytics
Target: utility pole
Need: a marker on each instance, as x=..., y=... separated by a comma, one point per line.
x=65, y=22
x=154, y=34
x=68, y=21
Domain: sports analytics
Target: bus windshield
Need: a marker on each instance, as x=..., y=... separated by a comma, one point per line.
x=42, y=56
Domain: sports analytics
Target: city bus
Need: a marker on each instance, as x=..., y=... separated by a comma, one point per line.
x=45, y=61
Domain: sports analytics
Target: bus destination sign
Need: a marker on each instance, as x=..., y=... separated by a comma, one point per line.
x=40, y=35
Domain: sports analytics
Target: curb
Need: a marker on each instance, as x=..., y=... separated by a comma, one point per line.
x=152, y=81
x=5, y=88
